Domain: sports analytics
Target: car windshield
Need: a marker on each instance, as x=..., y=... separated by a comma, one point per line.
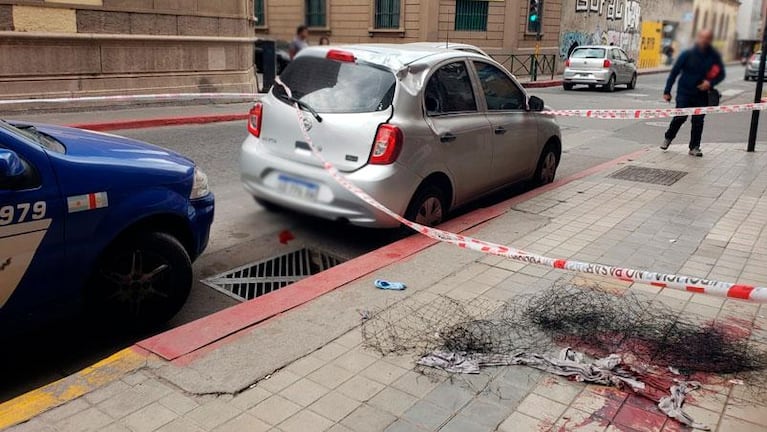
x=31, y=133
x=588, y=53
x=330, y=86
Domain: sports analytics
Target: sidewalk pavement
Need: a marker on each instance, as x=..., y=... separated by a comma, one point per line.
x=306, y=369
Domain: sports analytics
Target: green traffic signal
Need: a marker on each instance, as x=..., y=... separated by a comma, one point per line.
x=533, y=18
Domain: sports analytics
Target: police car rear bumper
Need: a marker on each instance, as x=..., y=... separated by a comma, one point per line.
x=201, y=213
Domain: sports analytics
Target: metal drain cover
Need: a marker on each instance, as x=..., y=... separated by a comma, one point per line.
x=256, y=279
x=649, y=175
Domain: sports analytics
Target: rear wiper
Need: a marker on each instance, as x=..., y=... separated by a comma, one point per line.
x=306, y=107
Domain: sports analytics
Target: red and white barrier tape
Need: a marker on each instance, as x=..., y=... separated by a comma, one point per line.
x=684, y=283
x=136, y=98
x=652, y=113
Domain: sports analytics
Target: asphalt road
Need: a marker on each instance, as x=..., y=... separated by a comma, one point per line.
x=245, y=233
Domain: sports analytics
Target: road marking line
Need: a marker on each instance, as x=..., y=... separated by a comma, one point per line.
x=35, y=402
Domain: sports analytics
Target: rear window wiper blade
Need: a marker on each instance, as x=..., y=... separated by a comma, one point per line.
x=306, y=107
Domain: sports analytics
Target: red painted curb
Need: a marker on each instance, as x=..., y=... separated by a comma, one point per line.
x=203, y=332
x=158, y=122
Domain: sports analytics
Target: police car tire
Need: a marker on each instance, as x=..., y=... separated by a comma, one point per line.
x=177, y=290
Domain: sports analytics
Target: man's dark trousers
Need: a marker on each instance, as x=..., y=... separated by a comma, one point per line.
x=699, y=99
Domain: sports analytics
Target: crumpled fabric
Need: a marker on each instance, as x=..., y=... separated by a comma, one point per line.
x=571, y=364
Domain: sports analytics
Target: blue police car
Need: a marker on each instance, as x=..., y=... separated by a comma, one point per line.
x=103, y=223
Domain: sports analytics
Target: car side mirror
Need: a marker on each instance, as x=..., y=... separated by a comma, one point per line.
x=631, y=60
x=534, y=103
x=11, y=165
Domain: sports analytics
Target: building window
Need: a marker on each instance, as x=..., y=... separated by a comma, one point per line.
x=316, y=13
x=695, y=22
x=471, y=15
x=387, y=14
x=259, y=12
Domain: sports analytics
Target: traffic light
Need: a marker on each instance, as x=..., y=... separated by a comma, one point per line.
x=534, y=17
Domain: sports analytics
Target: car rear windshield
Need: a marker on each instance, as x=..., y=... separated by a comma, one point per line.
x=588, y=53
x=331, y=86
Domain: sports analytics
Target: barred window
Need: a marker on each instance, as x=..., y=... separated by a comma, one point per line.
x=259, y=12
x=316, y=13
x=387, y=14
x=471, y=15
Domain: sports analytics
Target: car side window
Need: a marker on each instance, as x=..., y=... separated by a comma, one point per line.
x=501, y=93
x=623, y=55
x=449, y=91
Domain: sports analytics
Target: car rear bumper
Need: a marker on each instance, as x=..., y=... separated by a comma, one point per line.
x=753, y=72
x=576, y=76
x=392, y=185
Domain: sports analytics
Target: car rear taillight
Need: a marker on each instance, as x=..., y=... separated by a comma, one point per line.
x=342, y=56
x=567, y=63
x=607, y=63
x=255, y=116
x=387, y=145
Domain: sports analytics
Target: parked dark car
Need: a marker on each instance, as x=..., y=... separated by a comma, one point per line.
x=283, y=55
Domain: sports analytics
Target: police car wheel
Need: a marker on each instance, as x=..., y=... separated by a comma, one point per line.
x=141, y=282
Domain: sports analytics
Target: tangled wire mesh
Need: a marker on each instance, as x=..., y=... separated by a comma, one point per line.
x=588, y=319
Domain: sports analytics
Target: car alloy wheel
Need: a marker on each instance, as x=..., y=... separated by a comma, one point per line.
x=141, y=282
x=548, y=168
x=430, y=213
x=610, y=86
x=428, y=206
x=633, y=84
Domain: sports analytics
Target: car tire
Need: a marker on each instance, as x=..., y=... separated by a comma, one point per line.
x=567, y=86
x=140, y=282
x=592, y=86
x=428, y=206
x=546, y=171
x=610, y=86
x=633, y=83
x=268, y=205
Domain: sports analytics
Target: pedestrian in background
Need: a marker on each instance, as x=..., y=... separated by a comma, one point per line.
x=699, y=69
x=324, y=40
x=299, y=41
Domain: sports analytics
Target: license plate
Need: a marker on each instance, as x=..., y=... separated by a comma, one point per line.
x=297, y=187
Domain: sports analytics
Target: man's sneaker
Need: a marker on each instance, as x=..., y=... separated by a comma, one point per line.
x=696, y=152
x=666, y=144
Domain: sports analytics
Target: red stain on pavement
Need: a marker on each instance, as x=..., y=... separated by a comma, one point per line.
x=286, y=236
x=639, y=419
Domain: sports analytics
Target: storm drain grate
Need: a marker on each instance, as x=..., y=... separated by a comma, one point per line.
x=649, y=175
x=256, y=279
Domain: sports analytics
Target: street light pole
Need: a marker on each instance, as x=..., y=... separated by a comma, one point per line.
x=758, y=96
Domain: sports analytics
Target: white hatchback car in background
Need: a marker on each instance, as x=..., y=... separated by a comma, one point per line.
x=422, y=130
x=602, y=65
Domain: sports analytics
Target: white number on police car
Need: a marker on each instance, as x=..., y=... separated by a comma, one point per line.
x=22, y=212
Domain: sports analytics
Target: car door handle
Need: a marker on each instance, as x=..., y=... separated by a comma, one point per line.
x=448, y=137
x=500, y=130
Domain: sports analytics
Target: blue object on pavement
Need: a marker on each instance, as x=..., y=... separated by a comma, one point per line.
x=386, y=285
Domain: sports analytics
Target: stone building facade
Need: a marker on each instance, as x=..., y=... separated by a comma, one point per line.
x=101, y=47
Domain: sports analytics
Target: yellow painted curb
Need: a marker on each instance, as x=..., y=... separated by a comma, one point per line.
x=112, y=368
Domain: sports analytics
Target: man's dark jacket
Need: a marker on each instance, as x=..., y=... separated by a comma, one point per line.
x=694, y=65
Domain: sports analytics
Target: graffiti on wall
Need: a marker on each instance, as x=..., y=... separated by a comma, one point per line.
x=617, y=22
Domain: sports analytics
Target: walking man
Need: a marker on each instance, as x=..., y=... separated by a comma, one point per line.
x=299, y=42
x=699, y=70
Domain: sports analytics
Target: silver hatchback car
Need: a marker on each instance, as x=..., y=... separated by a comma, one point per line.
x=602, y=65
x=422, y=130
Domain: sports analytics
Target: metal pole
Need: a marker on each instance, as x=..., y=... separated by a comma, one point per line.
x=758, y=96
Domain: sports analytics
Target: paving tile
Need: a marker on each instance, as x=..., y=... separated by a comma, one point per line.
x=383, y=372
x=330, y=351
x=393, y=401
x=339, y=428
x=518, y=422
x=574, y=420
x=127, y=402
x=212, y=413
x=274, y=409
x=712, y=401
x=334, y=406
x=355, y=360
x=465, y=424
x=63, y=411
x=305, y=365
x=558, y=389
x=331, y=375
x=541, y=408
x=368, y=419
x=746, y=410
x=278, y=381
x=134, y=378
x=350, y=339
x=522, y=377
x=304, y=392
x=149, y=418
x=450, y=396
x=114, y=427
x=427, y=415
x=360, y=388
x=178, y=403
x=732, y=424
x=403, y=426
x=639, y=419
x=305, y=421
x=486, y=412
x=180, y=425
x=33, y=425
x=91, y=419
x=243, y=423
x=104, y=393
x=597, y=404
